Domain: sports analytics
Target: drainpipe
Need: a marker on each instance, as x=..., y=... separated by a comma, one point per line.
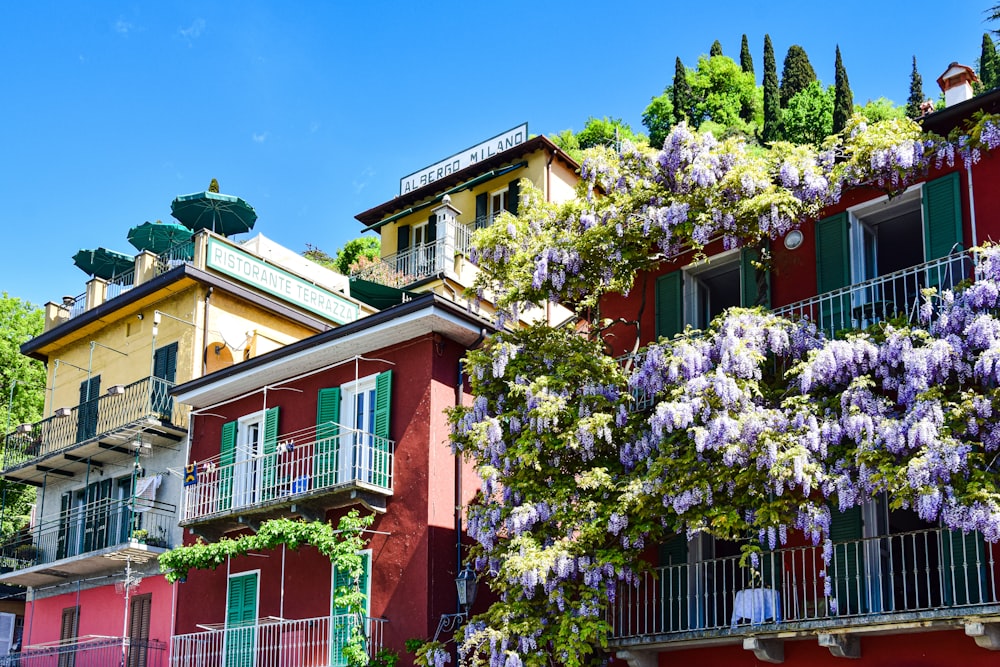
x=972, y=208
x=459, y=384
x=204, y=332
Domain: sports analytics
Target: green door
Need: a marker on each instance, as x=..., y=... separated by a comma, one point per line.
x=227, y=457
x=847, y=570
x=241, y=620
x=327, y=438
x=674, y=598
x=669, y=305
x=833, y=271
x=343, y=622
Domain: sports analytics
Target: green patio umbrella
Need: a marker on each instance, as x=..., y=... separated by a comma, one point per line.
x=103, y=263
x=156, y=237
x=223, y=214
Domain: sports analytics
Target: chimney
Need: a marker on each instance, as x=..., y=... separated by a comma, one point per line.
x=956, y=83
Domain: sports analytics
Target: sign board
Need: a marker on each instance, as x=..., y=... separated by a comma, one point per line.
x=190, y=474
x=269, y=278
x=463, y=159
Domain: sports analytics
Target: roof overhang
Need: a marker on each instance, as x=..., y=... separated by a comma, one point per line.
x=425, y=315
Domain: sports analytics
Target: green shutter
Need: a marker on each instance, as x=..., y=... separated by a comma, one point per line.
x=482, y=204
x=380, y=447
x=431, y=234
x=241, y=617
x=269, y=474
x=513, y=194
x=752, y=280
x=402, y=238
x=669, y=305
x=227, y=457
x=342, y=623
x=674, y=583
x=833, y=271
x=964, y=571
x=164, y=368
x=327, y=437
x=66, y=521
x=847, y=568
x=942, y=217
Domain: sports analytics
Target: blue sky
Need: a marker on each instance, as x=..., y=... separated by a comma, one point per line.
x=313, y=111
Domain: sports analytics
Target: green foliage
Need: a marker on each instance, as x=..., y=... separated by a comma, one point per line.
x=916, y=97
x=796, y=74
x=384, y=657
x=606, y=132
x=682, y=96
x=22, y=386
x=658, y=118
x=213, y=186
x=716, y=49
x=989, y=64
x=808, y=119
x=568, y=143
x=723, y=93
x=365, y=246
x=843, y=99
x=746, y=60
x=881, y=109
x=772, y=107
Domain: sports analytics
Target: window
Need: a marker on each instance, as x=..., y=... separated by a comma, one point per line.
x=247, y=465
x=95, y=517
x=141, y=607
x=416, y=248
x=67, y=631
x=698, y=293
x=342, y=621
x=491, y=204
x=241, y=617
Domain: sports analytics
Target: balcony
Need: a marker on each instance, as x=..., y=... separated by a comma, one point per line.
x=892, y=296
x=273, y=642
x=422, y=261
x=87, y=540
x=90, y=651
x=126, y=417
x=311, y=471
x=903, y=582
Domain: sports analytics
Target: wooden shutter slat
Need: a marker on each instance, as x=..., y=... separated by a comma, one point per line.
x=942, y=217
x=326, y=459
x=669, y=304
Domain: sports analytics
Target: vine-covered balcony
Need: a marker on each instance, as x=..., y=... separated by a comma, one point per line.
x=122, y=419
x=897, y=295
x=305, y=472
x=423, y=260
x=88, y=539
x=907, y=581
x=273, y=641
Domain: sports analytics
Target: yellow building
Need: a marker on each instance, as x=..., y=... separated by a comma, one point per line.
x=426, y=230
x=107, y=456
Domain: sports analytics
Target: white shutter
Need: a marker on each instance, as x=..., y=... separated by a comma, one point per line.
x=6, y=632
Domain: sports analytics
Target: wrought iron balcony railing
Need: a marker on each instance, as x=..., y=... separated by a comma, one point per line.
x=175, y=255
x=916, y=575
x=304, y=464
x=93, y=527
x=90, y=651
x=895, y=295
x=422, y=260
x=146, y=399
x=276, y=642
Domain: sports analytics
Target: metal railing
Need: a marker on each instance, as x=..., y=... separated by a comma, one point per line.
x=421, y=261
x=75, y=305
x=145, y=398
x=918, y=574
x=276, y=642
x=90, y=651
x=121, y=283
x=91, y=527
x=304, y=463
x=175, y=255
x=895, y=295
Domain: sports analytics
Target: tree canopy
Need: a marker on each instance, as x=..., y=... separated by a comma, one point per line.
x=843, y=100
x=348, y=256
x=796, y=74
x=756, y=424
x=916, y=97
x=808, y=119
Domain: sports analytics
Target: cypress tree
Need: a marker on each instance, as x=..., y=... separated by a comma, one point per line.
x=772, y=111
x=716, y=49
x=682, y=92
x=843, y=100
x=213, y=186
x=746, y=61
x=988, y=64
x=916, y=92
x=796, y=74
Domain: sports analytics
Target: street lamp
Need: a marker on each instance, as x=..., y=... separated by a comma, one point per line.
x=466, y=584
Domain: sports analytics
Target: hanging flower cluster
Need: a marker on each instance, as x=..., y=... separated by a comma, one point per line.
x=754, y=428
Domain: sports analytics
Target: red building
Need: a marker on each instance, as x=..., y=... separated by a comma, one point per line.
x=903, y=591
x=352, y=417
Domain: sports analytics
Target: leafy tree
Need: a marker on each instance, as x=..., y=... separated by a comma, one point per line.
x=567, y=141
x=658, y=118
x=916, y=93
x=772, y=108
x=808, y=119
x=22, y=385
x=347, y=256
x=579, y=481
x=843, y=101
x=682, y=97
x=606, y=132
x=716, y=49
x=796, y=74
x=723, y=94
x=746, y=60
x=880, y=109
x=989, y=65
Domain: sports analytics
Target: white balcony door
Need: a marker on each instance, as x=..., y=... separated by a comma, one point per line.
x=358, y=414
x=247, y=472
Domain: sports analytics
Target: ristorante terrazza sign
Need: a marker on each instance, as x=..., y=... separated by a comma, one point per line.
x=271, y=279
x=463, y=159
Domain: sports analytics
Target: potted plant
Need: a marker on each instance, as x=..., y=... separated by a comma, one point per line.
x=140, y=535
